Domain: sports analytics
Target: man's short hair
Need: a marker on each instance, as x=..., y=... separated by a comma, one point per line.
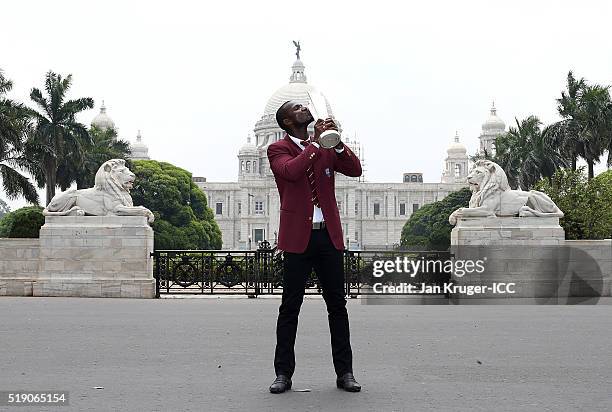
x=280, y=115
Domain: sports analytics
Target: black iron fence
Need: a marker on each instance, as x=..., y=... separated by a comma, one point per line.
x=259, y=272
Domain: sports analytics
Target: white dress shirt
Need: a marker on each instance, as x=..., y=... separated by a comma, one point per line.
x=317, y=213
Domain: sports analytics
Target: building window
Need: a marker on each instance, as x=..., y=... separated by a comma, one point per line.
x=376, y=209
x=413, y=178
x=402, y=209
x=254, y=166
x=415, y=207
x=357, y=236
x=219, y=208
x=248, y=166
x=258, y=235
x=242, y=165
x=259, y=207
x=457, y=170
x=238, y=234
x=239, y=207
x=356, y=208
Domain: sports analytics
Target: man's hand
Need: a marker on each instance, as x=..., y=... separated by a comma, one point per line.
x=330, y=124
x=319, y=127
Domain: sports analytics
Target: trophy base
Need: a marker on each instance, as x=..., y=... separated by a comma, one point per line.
x=329, y=139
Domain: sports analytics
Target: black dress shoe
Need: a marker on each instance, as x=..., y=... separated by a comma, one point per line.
x=348, y=383
x=281, y=384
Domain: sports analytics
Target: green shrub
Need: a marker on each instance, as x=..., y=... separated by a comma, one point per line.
x=428, y=227
x=22, y=223
x=586, y=204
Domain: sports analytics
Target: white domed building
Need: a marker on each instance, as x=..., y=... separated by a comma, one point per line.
x=102, y=120
x=456, y=163
x=373, y=214
x=491, y=128
x=249, y=159
x=140, y=151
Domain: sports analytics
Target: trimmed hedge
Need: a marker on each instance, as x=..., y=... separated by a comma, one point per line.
x=22, y=223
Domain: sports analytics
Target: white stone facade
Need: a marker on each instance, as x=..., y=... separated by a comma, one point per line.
x=372, y=214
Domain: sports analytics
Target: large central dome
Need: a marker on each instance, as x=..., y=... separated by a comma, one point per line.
x=297, y=90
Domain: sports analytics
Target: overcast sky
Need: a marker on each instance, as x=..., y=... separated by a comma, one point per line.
x=402, y=76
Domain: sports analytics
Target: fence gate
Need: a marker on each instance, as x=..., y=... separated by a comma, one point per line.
x=259, y=272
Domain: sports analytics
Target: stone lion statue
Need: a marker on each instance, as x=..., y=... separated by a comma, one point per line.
x=492, y=196
x=110, y=195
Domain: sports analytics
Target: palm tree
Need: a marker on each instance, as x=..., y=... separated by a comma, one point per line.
x=527, y=153
x=14, y=124
x=585, y=130
x=57, y=137
x=104, y=146
x=595, y=117
x=508, y=148
x=567, y=132
x=482, y=155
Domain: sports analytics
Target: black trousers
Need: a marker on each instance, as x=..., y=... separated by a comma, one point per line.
x=327, y=262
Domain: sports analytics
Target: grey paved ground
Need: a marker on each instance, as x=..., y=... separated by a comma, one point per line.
x=216, y=355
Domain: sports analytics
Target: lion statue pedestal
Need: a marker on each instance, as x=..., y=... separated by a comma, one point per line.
x=96, y=256
x=95, y=242
x=515, y=235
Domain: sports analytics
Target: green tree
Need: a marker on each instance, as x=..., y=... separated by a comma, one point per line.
x=585, y=130
x=428, y=227
x=4, y=208
x=596, y=123
x=566, y=133
x=57, y=136
x=14, y=124
x=104, y=146
x=586, y=204
x=183, y=219
x=484, y=155
x=527, y=153
x=22, y=223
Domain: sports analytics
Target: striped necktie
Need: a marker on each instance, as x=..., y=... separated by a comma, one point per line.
x=311, y=180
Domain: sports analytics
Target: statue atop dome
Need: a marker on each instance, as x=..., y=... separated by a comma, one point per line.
x=297, y=48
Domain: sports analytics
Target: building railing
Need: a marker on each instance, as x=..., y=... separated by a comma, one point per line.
x=260, y=272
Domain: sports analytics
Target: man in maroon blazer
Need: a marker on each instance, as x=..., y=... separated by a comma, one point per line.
x=310, y=236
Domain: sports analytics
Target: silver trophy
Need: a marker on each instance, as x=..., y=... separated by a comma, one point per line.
x=318, y=109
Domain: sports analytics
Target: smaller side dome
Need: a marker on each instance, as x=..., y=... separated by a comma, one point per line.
x=248, y=149
x=102, y=120
x=140, y=151
x=493, y=122
x=456, y=147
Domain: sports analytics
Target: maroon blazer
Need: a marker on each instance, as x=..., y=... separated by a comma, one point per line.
x=289, y=164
